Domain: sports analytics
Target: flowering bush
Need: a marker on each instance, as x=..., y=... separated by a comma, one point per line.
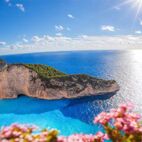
x=99, y=137
x=24, y=133
x=120, y=125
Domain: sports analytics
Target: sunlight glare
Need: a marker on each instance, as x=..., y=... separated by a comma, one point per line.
x=136, y=4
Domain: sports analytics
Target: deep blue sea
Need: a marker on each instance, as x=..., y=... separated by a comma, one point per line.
x=76, y=115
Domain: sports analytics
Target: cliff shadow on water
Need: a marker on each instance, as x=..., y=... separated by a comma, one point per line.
x=86, y=108
x=28, y=105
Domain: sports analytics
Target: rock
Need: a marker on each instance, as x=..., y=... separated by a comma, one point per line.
x=2, y=64
x=17, y=79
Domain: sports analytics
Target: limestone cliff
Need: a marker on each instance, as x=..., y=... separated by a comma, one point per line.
x=16, y=79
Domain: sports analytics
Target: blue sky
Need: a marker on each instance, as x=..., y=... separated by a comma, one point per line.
x=21, y=21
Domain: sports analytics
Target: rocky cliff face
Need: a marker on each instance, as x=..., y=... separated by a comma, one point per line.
x=18, y=79
x=2, y=64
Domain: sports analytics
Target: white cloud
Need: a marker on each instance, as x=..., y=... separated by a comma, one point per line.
x=141, y=22
x=68, y=29
x=59, y=28
x=116, y=8
x=36, y=39
x=108, y=28
x=2, y=43
x=48, y=38
x=48, y=43
x=25, y=40
x=7, y=1
x=20, y=6
x=83, y=36
x=138, y=32
x=59, y=34
x=71, y=16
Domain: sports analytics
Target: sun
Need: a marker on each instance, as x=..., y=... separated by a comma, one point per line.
x=134, y=4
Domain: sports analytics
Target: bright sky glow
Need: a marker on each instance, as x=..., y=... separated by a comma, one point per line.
x=136, y=4
x=53, y=25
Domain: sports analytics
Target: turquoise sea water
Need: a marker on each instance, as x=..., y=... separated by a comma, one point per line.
x=76, y=116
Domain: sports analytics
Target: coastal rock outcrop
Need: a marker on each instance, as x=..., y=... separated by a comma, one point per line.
x=45, y=82
x=2, y=64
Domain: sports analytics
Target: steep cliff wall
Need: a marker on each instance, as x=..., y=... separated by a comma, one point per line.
x=20, y=79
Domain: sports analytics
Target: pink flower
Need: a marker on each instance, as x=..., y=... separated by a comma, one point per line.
x=103, y=118
x=118, y=125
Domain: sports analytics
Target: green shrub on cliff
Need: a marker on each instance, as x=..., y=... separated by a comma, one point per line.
x=2, y=61
x=45, y=71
